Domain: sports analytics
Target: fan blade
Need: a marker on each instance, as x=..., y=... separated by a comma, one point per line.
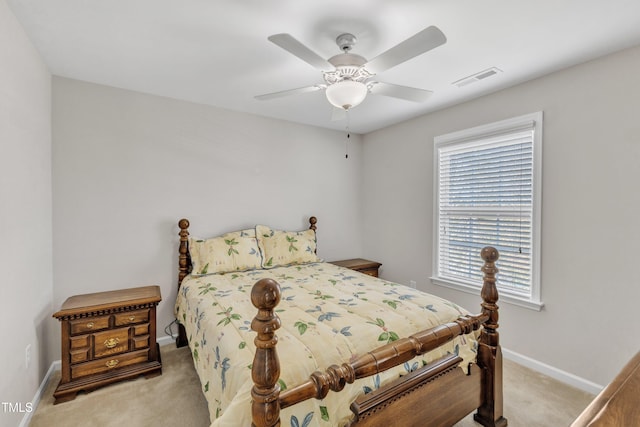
x=402, y=92
x=293, y=46
x=289, y=92
x=425, y=40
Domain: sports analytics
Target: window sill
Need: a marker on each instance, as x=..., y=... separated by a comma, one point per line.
x=503, y=297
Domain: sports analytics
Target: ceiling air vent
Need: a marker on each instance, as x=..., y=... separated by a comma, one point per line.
x=477, y=77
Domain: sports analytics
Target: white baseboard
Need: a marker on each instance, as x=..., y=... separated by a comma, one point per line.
x=56, y=366
x=26, y=419
x=167, y=339
x=555, y=373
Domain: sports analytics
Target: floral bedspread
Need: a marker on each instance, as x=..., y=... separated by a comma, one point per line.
x=329, y=315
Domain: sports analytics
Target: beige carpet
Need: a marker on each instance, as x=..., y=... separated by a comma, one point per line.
x=175, y=399
x=171, y=399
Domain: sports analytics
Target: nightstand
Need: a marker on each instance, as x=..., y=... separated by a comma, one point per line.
x=107, y=337
x=362, y=265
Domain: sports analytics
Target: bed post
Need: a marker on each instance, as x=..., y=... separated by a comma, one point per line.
x=489, y=353
x=184, y=268
x=312, y=223
x=265, y=371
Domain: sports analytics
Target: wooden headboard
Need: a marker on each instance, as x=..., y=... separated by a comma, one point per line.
x=184, y=259
x=185, y=266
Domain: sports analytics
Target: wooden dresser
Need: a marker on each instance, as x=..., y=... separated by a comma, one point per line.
x=618, y=404
x=107, y=337
x=362, y=265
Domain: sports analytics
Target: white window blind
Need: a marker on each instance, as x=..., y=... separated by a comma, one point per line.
x=486, y=181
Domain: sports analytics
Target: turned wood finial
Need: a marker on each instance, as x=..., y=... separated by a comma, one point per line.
x=489, y=254
x=184, y=261
x=489, y=352
x=489, y=291
x=183, y=224
x=312, y=223
x=265, y=407
x=265, y=296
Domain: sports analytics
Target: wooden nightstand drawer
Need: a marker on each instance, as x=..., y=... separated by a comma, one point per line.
x=110, y=342
x=140, y=342
x=89, y=324
x=141, y=329
x=107, y=337
x=362, y=265
x=79, y=348
x=78, y=356
x=108, y=364
x=132, y=317
x=370, y=271
x=82, y=341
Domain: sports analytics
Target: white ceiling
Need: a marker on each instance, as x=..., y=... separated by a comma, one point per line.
x=216, y=51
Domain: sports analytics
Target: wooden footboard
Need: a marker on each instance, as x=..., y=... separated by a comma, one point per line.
x=452, y=395
x=450, y=392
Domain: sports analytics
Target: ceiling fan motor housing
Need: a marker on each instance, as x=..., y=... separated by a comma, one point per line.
x=348, y=66
x=347, y=83
x=346, y=42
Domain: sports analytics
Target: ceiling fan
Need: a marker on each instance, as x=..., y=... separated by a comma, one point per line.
x=348, y=77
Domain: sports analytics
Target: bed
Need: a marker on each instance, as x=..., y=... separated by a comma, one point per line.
x=278, y=336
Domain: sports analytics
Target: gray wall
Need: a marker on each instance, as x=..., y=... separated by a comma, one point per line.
x=590, y=205
x=128, y=166
x=25, y=215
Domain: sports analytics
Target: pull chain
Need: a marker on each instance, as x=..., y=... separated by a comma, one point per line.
x=346, y=144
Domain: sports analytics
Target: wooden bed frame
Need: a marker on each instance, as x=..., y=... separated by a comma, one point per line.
x=438, y=394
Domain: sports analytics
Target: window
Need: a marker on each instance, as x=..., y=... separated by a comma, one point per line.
x=487, y=193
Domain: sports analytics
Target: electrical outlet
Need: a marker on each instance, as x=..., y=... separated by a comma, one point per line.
x=412, y=283
x=27, y=356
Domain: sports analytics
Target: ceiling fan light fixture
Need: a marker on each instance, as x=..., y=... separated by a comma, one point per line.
x=346, y=94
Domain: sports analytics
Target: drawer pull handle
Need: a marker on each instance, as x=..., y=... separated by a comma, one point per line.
x=112, y=363
x=132, y=318
x=111, y=342
x=90, y=325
